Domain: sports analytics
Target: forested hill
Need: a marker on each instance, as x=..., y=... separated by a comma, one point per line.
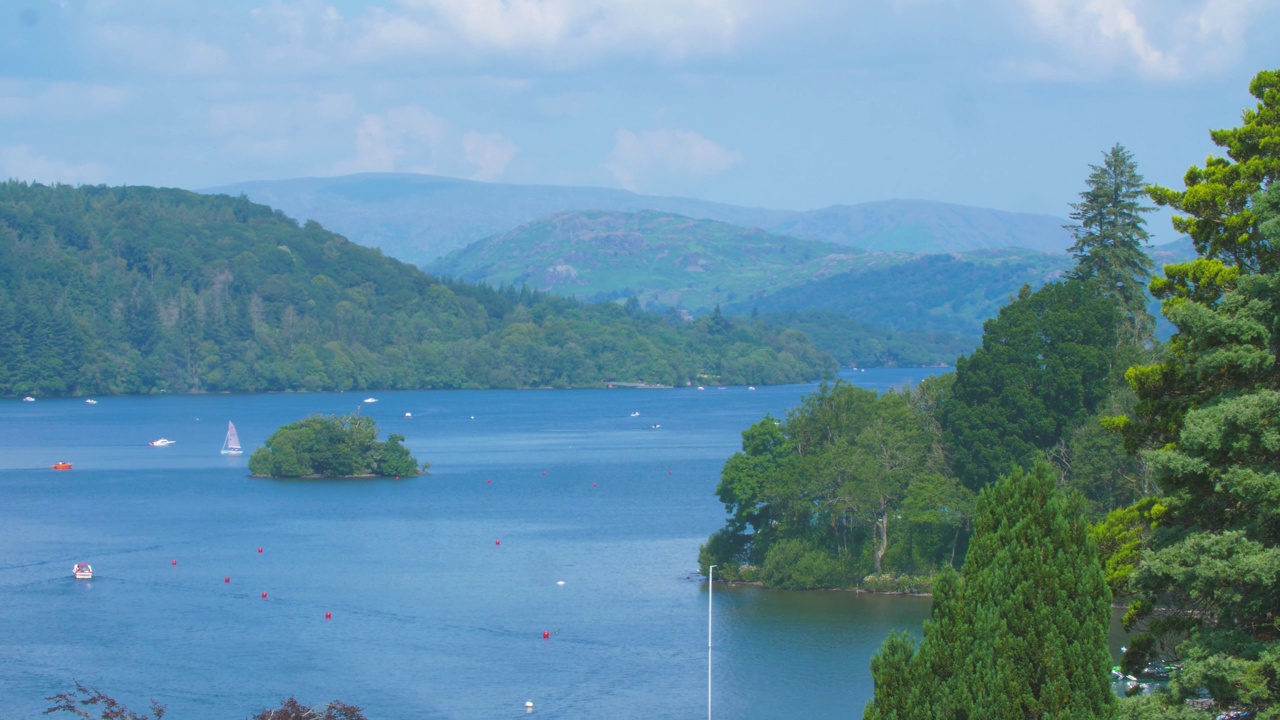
x=138, y=290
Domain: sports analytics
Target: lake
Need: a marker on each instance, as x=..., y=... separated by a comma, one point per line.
x=440, y=587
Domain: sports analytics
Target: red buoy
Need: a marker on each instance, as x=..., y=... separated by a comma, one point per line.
x=490, y=480
x=259, y=549
x=226, y=579
x=175, y=562
x=497, y=542
x=593, y=484
x=397, y=478
x=264, y=594
x=328, y=616
x=545, y=634
x=668, y=472
x=544, y=472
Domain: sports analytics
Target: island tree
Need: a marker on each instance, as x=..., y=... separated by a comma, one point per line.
x=332, y=446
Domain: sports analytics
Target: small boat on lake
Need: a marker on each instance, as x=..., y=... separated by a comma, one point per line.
x=635, y=414
x=61, y=466
x=90, y=401
x=371, y=400
x=162, y=442
x=231, y=443
x=82, y=571
x=28, y=399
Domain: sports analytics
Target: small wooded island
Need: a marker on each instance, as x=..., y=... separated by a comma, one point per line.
x=335, y=446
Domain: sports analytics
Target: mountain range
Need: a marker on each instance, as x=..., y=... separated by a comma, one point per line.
x=418, y=218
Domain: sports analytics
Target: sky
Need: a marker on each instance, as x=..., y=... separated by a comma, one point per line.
x=791, y=105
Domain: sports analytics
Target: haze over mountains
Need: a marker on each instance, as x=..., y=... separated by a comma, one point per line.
x=418, y=218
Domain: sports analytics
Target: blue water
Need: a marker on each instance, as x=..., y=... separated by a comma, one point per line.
x=431, y=617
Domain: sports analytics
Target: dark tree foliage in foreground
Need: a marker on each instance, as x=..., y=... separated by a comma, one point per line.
x=87, y=702
x=335, y=446
x=142, y=290
x=291, y=709
x=1022, y=632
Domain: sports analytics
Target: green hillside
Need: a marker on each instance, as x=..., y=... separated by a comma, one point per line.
x=138, y=290
x=660, y=259
x=420, y=218
x=673, y=261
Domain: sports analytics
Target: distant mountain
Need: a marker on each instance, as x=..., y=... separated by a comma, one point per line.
x=660, y=259
x=418, y=218
x=669, y=260
x=920, y=226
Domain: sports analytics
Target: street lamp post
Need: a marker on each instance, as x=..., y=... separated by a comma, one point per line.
x=711, y=578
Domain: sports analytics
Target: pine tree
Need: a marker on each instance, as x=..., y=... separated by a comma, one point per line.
x=889, y=670
x=1110, y=233
x=1024, y=634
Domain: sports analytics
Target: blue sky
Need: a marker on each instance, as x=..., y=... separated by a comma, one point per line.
x=799, y=104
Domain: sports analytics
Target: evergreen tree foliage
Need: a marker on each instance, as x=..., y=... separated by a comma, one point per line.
x=333, y=446
x=890, y=669
x=1046, y=364
x=1024, y=632
x=1110, y=233
x=1207, y=583
x=1219, y=213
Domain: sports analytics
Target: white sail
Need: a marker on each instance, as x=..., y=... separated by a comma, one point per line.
x=231, y=445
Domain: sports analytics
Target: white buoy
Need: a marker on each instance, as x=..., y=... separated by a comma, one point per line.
x=408, y=415
x=528, y=704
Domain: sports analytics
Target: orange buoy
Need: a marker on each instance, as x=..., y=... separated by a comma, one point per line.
x=264, y=594
x=226, y=579
x=328, y=616
x=545, y=635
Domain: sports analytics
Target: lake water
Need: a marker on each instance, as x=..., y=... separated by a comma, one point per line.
x=431, y=617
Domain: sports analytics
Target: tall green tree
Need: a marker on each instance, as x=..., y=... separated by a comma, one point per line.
x=1046, y=364
x=1217, y=202
x=1110, y=233
x=1024, y=632
x=1209, y=417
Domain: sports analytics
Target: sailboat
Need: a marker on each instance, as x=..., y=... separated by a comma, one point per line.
x=231, y=445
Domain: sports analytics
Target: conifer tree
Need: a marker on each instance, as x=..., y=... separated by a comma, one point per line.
x=1110, y=233
x=1024, y=635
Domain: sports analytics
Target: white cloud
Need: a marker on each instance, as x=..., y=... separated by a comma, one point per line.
x=154, y=49
x=404, y=139
x=489, y=152
x=1164, y=39
x=61, y=100
x=21, y=162
x=562, y=32
x=639, y=158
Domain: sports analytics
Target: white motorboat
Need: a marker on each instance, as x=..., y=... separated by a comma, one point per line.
x=90, y=401
x=28, y=399
x=162, y=442
x=371, y=400
x=83, y=571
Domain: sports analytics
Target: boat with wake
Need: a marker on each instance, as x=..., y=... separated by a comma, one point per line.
x=82, y=571
x=162, y=442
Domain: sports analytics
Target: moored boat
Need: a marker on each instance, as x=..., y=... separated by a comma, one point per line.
x=82, y=571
